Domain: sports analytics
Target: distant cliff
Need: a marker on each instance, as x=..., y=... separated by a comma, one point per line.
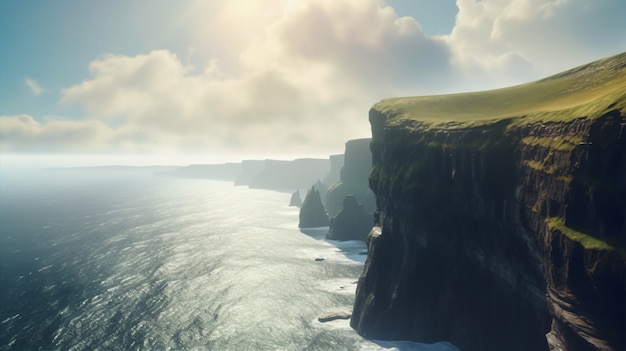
x=502, y=216
x=249, y=170
x=224, y=171
x=334, y=175
x=293, y=174
x=353, y=178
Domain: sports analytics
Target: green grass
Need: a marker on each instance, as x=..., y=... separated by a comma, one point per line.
x=564, y=143
x=588, y=241
x=540, y=166
x=584, y=92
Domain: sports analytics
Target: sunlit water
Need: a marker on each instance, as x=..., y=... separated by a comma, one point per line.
x=137, y=262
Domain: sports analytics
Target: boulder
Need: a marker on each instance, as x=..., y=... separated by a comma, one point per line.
x=331, y=316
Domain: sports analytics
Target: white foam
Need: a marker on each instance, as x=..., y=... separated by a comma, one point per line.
x=344, y=251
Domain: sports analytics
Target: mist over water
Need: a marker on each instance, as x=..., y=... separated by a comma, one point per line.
x=118, y=262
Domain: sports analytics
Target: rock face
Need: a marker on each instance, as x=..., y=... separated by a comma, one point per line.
x=508, y=235
x=353, y=178
x=312, y=212
x=334, y=175
x=351, y=223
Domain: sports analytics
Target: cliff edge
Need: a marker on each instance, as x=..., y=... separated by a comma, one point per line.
x=502, y=216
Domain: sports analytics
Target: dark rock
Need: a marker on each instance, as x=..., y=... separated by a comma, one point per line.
x=351, y=223
x=322, y=188
x=319, y=259
x=312, y=212
x=331, y=316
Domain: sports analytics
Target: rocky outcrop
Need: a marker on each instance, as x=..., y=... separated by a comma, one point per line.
x=322, y=188
x=295, y=200
x=312, y=212
x=508, y=234
x=331, y=316
x=353, y=178
x=351, y=223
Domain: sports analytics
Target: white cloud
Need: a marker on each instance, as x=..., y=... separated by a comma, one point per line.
x=34, y=87
x=302, y=77
x=515, y=41
x=307, y=81
x=22, y=133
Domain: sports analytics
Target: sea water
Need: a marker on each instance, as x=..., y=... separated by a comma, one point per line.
x=137, y=262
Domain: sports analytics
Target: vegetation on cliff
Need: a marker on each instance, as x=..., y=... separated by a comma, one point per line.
x=515, y=197
x=583, y=92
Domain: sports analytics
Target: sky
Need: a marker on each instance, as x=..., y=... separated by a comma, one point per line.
x=160, y=78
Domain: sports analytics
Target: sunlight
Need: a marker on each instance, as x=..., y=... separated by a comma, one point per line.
x=290, y=5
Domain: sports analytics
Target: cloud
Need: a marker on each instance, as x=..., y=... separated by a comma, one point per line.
x=515, y=41
x=306, y=82
x=301, y=75
x=22, y=133
x=34, y=87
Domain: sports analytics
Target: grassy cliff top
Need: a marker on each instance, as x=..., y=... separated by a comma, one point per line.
x=586, y=91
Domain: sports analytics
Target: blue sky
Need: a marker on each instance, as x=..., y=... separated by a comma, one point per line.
x=265, y=76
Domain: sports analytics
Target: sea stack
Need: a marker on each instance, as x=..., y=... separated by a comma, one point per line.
x=295, y=200
x=312, y=212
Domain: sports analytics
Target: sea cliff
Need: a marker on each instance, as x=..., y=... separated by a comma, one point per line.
x=502, y=216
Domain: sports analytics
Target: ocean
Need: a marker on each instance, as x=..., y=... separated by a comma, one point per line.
x=130, y=261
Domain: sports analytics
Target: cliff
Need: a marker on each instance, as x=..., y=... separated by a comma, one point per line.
x=502, y=219
x=334, y=175
x=295, y=174
x=249, y=170
x=353, y=178
x=351, y=223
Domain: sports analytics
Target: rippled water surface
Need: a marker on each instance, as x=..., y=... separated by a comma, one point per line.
x=123, y=262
